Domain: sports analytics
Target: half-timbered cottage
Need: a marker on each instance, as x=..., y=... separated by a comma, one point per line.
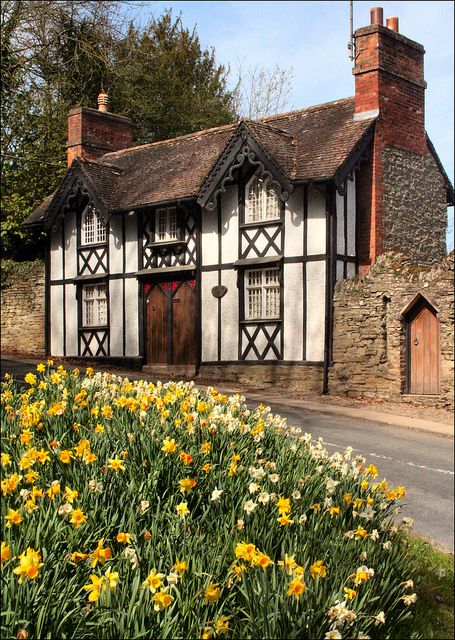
x=220, y=250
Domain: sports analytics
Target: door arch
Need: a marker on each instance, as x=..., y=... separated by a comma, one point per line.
x=422, y=347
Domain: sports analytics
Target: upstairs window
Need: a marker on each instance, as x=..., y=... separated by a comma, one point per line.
x=262, y=201
x=93, y=231
x=94, y=305
x=166, y=225
x=262, y=294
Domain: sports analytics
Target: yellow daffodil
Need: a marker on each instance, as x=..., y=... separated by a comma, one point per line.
x=95, y=587
x=180, y=566
x=13, y=518
x=349, y=594
x=162, y=599
x=153, y=581
x=124, y=538
x=285, y=520
x=6, y=553
x=70, y=494
x=187, y=484
x=283, y=506
x=212, y=593
x=289, y=563
x=296, y=588
x=115, y=464
x=169, y=446
x=77, y=556
x=182, y=509
x=318, y=570
x=29, y=565
x=361, y=533
x=101, y=554
x=78, y=518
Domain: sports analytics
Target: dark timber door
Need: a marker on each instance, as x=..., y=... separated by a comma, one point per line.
x=423, y=351
x=171, y=322
x=157, y=324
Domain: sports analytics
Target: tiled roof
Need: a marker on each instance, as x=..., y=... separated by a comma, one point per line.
x=307, y=145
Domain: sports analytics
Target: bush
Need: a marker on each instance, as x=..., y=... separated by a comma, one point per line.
x=135, y=510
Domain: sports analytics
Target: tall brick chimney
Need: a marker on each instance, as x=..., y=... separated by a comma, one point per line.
x=389, y=84
x=94, y=132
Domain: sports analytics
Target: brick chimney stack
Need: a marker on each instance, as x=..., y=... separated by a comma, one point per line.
x=389, y=85
x=94, y=132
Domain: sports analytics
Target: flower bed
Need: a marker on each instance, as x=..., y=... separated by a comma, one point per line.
x=134, y=510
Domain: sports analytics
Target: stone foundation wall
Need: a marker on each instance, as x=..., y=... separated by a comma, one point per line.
x=22, y=311
x=301, y=378
x=369, y=331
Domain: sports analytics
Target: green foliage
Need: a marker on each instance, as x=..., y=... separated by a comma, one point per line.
x=12, y=270
x=59, y=55
x=433, y=617
x=125, y=448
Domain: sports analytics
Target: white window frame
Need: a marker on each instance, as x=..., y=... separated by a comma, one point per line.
x=93, y=231
x=262, y=202
x=94, y=305
x=169, y=231
x=262, y=298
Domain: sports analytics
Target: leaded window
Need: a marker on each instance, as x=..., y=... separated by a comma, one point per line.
x=166, y=224
x=262, y=294
x=93, y=231
x=262, y=201
x=94, y=305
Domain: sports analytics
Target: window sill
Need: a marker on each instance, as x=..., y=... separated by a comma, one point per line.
x=262, y=223
x=93, y=245
x=95, y=327
x=262, y=321
x=168, y=244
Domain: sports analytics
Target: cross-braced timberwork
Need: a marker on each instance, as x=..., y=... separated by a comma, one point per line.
x=94, y=343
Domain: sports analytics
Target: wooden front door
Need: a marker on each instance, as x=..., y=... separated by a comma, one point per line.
x=423, y=345
x=171, y=322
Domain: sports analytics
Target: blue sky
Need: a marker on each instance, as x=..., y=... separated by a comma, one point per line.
x=311, y=37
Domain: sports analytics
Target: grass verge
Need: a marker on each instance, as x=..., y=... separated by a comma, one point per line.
x=433, y=614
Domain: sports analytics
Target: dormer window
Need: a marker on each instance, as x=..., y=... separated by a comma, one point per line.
x=262, y=201
x=93, y=231
x=167, y=228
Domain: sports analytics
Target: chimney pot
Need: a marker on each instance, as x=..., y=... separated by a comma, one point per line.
x=376, y=15
x=392, y=24
x=103, y=102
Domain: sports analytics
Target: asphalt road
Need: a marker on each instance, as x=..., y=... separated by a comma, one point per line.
x=422, y=462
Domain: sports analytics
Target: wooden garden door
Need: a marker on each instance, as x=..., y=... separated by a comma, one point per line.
x=171, y=322
x=423, y=345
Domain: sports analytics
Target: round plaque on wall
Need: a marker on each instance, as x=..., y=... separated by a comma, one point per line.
x=219, y=291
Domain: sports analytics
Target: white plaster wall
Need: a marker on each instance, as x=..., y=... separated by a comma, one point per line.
x=209, y=317
x=56, y=318
x=315, y=311
x=56, y=253
x=116, y=317
x=131, y=243
x=351, y=217
x=293, y=235
x=131, y=308
x=316, y=222
x=293, y=311
x=70, y=245
x=341, y=248
x=71, y=320
x=209, y=239
x=340, y=270
x=229, y=316
x=351, y=270
x=230, y=224
x=115, y=245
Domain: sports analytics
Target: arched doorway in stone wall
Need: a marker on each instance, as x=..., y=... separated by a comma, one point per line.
x=422, y=346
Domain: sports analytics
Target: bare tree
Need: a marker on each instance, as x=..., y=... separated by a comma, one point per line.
x=262, y=91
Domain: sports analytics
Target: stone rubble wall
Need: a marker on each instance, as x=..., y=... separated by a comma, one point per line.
x=22, y=313
x=369, y=331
